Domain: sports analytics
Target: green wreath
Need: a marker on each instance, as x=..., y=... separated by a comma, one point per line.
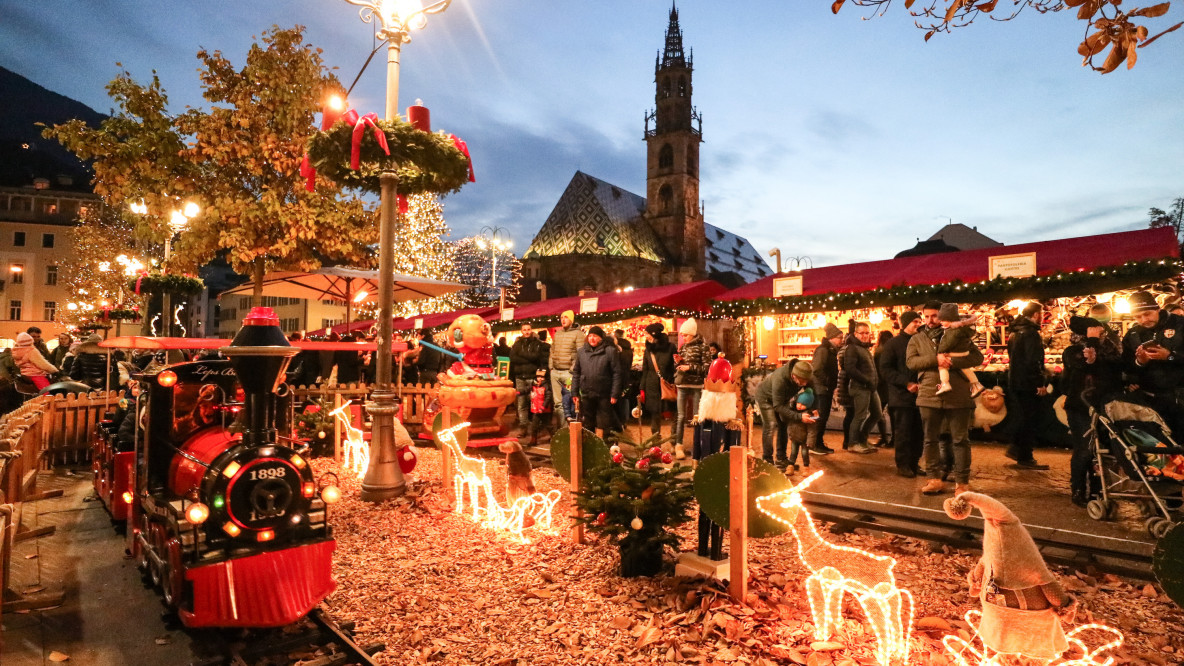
x=424, y=162
x=170, y=282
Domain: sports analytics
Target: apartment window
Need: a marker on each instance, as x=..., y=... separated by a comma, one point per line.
x=51, y=310
x=22, y=204
x=227, y=314
x=51, y=275
x=17, y=273
x=47, y=241
x=326, y=323
x=18, y=239
x=290, y=325
x=14, y=310
x=49, y=208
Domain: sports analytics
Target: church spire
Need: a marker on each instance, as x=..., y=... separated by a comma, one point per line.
x=673, y=56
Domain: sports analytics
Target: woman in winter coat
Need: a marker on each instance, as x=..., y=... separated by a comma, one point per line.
x=31, y=363
x=690, y=370
x=658, y=361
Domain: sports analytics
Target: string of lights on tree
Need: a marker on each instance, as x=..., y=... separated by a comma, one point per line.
x=1071, y=283
x=95, y=272
x=473, y=264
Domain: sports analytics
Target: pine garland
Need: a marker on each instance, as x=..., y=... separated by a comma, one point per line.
x=589, y=318
x=170, y=282
x=425, y=162
x=1074, y=283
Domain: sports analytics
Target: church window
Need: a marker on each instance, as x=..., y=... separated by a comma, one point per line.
x=666, y=198
x=690, y=163
x=682, y=86
x=665, y=157
x=666, y=86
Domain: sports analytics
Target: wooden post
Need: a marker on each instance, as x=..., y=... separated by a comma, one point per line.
x=576, y=429
x=446, y=473
x=336, y=430
x=738, y=520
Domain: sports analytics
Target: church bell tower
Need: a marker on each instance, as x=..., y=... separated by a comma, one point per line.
x=673, y=132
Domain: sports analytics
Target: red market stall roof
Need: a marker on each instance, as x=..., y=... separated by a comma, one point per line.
x=429, y=321
x=614, y=306
x=1071, y=266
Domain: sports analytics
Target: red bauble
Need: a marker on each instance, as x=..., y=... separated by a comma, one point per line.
x=618, y=457
x=656, y=452
x=643, y=463
x=600, y=519
x=667, y=458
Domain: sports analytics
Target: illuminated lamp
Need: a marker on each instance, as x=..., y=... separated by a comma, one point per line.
x=219, y=502
x=167, y=378
x=296, y=518
x=297, y=461
x=231, y=529
x=361, y=296
x=1016, y=304
x=876, y=318
x=127, y=497
x=820, y=321
x=330, y=494
x=1105, y=298
x=231, y=469
x=265, y=535
x=197, y=513
x=310, y=489
x=1122, y=306
x=769, y=323
x=190, y=209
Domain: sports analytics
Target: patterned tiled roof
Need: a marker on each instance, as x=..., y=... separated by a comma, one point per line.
x=729, y=253
x=595, y=217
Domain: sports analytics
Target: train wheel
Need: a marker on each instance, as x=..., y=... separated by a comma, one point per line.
x=157, y=540
x=1159, y=527
x=140, y=552
x=172, y=570
x=1098, y=509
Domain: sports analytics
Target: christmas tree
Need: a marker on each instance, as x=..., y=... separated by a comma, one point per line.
x=421, y=249
x=474, y=263
x=95, y=271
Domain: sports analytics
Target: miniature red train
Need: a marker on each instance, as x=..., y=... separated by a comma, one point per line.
x=225, y=517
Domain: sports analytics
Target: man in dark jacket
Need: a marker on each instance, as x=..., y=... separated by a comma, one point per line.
x=1153, y=355
x=825, y=365
x=596, y=382
x=1093, y=372
x=91, y=364
x=773, y=396
x=950, y=410
x=526, y=356
x=902, y=396
x=625, y=355
x=862, y=381
x=1026, y=383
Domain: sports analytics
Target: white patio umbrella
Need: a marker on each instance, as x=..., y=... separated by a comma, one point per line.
x=340, y=283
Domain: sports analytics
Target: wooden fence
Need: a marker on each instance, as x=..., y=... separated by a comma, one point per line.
x=415, y=398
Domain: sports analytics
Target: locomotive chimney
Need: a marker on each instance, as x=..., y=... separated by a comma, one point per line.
x=259, y=354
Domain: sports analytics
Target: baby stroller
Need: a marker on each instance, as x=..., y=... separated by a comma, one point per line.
x=1137, y=460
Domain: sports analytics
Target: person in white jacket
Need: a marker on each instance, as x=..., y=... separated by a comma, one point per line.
x=31, y=363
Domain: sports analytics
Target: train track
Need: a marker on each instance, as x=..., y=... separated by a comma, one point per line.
x=317, y=633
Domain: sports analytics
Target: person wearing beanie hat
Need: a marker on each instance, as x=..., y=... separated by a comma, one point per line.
x=565, y=342
x=825, y=364
x=902, y=396
x=782, y=399
x=657, y=367
x=956, y=341
x=596, y=382
x=1022, y=601
x=1026, y=383
x=691, y=363
x=1153, y=357
x=30, y=362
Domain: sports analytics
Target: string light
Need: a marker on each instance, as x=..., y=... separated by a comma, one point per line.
x=355, y=454
x=470, y=475
x=974, y=653
x=836, y=570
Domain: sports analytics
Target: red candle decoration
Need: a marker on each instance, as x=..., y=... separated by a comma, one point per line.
x=332, y=112
x=419, y=116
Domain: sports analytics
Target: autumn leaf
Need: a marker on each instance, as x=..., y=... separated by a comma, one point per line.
x=838, y=4
x=1152, y=11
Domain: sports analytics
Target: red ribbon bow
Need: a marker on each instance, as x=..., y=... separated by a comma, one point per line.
x=464, y=149
x=355, y=151
x=308, y=173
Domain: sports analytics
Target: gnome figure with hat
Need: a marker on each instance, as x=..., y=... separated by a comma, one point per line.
x=717, y=428
x=1023, y=604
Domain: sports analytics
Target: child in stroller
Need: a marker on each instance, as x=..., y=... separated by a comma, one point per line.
x=1138, y=460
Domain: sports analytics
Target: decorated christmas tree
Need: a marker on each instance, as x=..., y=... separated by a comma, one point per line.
x=421, y=249
x=473, y=262
x=95, y=272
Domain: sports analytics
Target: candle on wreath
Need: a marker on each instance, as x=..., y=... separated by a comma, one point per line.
x=332, y=111
x=419, y=116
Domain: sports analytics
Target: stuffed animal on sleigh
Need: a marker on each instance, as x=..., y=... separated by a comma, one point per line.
x=471, y=385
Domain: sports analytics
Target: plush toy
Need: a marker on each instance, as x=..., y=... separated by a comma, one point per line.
x=990, y=409
x=472, y=337
x=1022, y=601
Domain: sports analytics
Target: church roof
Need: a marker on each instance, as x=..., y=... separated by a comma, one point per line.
x=963, y=237
x=595, y=217
x=728, y=253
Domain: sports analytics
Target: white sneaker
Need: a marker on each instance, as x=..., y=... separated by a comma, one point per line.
x=943, y=388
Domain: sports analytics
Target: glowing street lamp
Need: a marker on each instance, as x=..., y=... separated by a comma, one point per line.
x=177, y=221
x=495, y=239
x=396, y=19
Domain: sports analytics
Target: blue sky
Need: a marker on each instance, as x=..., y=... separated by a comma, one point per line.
x=828, y=136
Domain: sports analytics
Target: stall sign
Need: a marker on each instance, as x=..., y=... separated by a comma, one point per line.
x=589, y=305
x=508, y=314
x=787, y=286
x=418, y=323
x=1012, y=265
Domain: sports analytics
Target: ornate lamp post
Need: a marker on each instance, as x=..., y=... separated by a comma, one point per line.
x=496, y=239
x=396, y=20
x=178, y=220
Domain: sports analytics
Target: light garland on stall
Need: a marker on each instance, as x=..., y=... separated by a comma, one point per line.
x=624, y=314
x=972, y=653
x=470, y=475
x=1106, y=278
x=836, y=570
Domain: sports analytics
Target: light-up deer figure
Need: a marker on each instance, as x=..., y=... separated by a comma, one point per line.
x=355, y=454
x=836, y=570
x=469, y=475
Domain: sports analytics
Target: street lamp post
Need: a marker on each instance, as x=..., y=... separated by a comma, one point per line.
x=178, y=220
x=396, y=19
x=496, y=239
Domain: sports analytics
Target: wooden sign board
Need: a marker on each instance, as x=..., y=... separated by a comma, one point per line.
x=418, y=323
x=1012, y=265
x=508, y=314
x=588, y=305
x=787, y=286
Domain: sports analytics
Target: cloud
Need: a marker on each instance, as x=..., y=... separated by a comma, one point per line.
x=837, y=127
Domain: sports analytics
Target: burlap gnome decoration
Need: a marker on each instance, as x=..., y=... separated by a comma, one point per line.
x=1022, y=601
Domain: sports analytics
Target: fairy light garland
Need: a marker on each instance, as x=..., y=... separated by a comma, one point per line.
x=836, y=570
x=972, y=653
x=470, y=476
x=624, y=314
x=1107, y=278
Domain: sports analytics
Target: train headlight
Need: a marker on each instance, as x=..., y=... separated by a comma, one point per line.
x=231, y=529
x=127, y=497
x=265, y=535
x=197, y=513
x=166, y=378
x=330, y=494
x=310, y=489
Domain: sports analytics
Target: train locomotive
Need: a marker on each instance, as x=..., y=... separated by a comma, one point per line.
x=223, y=516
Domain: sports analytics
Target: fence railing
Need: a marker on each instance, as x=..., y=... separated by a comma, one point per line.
x=414, y=398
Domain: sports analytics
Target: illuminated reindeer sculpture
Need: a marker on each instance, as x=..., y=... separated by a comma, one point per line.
x=355, y=455
x=836, y=570
x=469, y=475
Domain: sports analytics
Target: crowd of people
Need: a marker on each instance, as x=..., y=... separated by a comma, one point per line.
x=924, y=377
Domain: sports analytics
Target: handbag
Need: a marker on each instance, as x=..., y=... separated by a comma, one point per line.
x=669, y=390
